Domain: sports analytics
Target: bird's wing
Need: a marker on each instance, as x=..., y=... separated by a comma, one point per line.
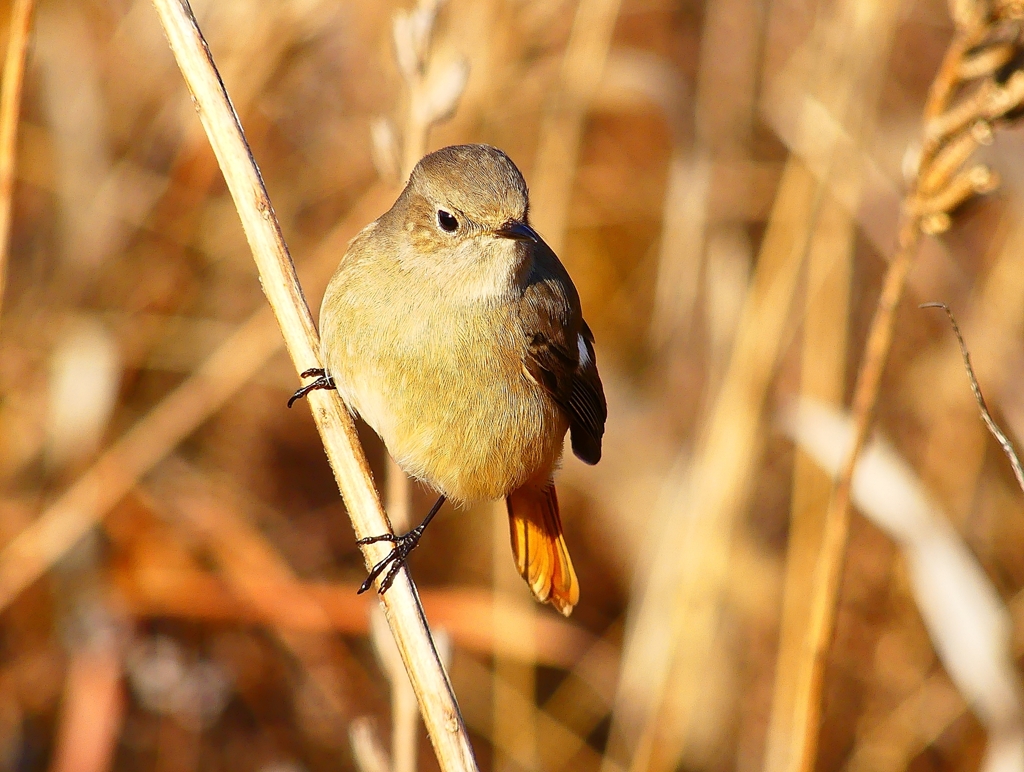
x=560, y=357
x=588, y=408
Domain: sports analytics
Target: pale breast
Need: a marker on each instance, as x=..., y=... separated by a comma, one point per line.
x=444, y=386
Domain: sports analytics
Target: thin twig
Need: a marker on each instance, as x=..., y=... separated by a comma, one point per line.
x=221, y=375
x=993, y=427
x=10, y=108
x=277, y=274
x=825, y=589
x=945, y=121
x=403, y=700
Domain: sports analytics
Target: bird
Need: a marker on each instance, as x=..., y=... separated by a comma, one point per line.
x=453, y=330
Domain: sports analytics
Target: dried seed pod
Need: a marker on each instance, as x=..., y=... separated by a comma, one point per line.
x=935, y=174
x=439, y=95
x=412, y=32
x=958, y=117
x=384, y=149
x=965, y=185
x=986, y=60
x=1006, y=102
x=936, y=223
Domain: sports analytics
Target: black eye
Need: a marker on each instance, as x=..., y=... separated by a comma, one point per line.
x=447, y=221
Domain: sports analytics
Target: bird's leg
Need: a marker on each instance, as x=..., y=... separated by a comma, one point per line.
x=404, y=544
x=323, y=381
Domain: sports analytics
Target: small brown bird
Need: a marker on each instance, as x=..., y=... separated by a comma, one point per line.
x=454, y=331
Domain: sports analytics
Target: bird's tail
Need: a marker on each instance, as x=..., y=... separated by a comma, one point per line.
x=539, y=547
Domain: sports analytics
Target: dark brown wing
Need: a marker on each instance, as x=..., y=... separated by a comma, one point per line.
x=588, y=408
x=560, y=356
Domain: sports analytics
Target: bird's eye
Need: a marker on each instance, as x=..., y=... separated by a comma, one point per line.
x=447, y=221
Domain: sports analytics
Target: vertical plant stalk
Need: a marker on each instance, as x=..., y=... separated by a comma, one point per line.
x=433, y=90
x=277, y=274
x=823, y=359
x=561, y=130
x=827, y=575
x=954, y=127
x=10, y=109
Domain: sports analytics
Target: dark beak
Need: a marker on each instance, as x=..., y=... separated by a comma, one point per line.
x=519, y=231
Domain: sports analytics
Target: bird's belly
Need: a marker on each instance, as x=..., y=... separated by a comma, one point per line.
x=462, y=416
x=474, y=450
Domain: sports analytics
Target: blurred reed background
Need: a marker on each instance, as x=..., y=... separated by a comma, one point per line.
x=723, y=180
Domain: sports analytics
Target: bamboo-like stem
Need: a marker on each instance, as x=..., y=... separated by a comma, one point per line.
x=277, y=274
x=561, y=131
x=10, y=109
x=829, y=569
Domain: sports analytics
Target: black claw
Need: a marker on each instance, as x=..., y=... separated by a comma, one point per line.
x=379, y=569
x=399, y=554
x=390, y=578
x=397, y=558
x=323, y=381
x=383, y=537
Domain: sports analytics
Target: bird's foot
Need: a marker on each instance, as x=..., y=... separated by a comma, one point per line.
x=323, y=381
x=404, y=544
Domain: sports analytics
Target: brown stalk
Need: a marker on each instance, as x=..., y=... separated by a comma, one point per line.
x=149, y=586
x=697, y=558
x=35, y=549
x=277, y=274
x=212, y=518
x=946, y=120
x=93, y=710
x=433, y=89
x=561, y=131
x=514, y=721
x=823, y=359
x=10, y=108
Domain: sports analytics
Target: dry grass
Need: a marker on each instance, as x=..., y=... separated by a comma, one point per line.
x=724, y=181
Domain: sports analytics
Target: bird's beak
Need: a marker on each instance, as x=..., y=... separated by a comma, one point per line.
x=519, y=231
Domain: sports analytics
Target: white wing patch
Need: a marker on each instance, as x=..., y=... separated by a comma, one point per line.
x=581, y=344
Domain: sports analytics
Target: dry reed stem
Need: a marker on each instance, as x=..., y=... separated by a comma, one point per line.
x=151, y=588
x=10, y=109
x=723, y=131
x=829, y=570
x=35, y=549
x=249, y=563
x=823, y=360
x=561, y=131
x=942, y=120
x=731, y=440
x=723, y=470
x=93, y=710
x=405, y=616
x=825, y=588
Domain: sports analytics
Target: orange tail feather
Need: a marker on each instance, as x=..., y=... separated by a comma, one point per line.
x=539, y=548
